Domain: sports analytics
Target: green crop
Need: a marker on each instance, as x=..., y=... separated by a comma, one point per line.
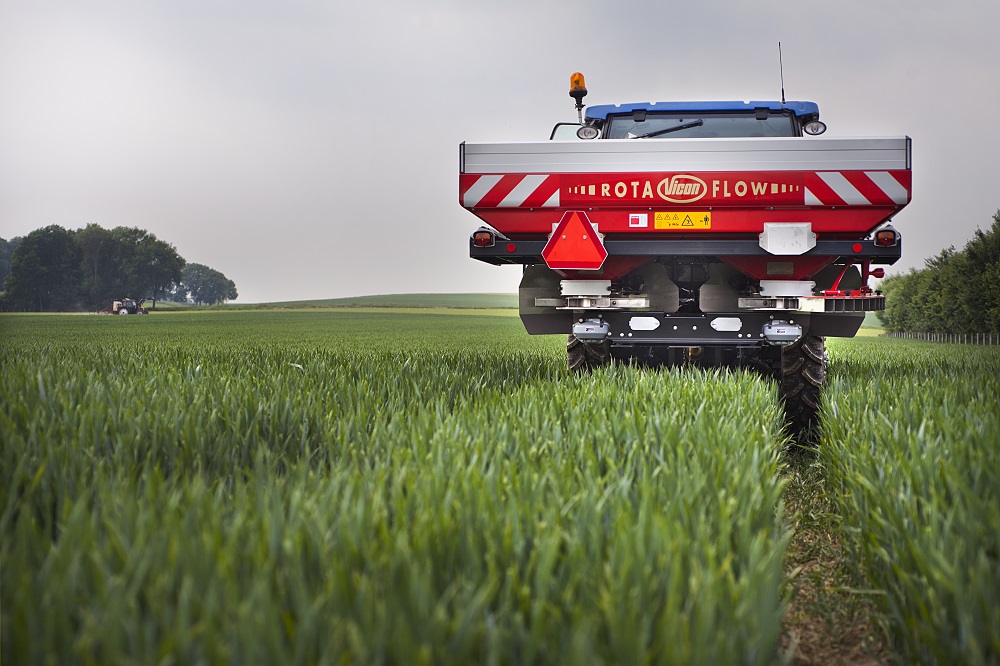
x=911, y=446
x=376, y=488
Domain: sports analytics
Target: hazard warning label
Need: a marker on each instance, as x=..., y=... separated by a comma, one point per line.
x=687, y=219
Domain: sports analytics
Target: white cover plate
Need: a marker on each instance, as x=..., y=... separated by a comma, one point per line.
x=787, y=287
x=730, y=324
x=787, y=238
x=585, y=287
x=644, y=323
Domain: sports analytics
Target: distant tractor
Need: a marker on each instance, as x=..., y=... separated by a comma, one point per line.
x=126, y=306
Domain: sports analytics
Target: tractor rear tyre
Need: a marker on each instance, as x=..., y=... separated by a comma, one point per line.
x=803, y=371
x=583, y=356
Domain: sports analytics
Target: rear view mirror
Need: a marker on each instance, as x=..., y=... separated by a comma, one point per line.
x=565, y=132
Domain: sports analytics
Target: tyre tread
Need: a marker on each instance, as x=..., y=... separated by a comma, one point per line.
x=803, y=373
x=582, y=356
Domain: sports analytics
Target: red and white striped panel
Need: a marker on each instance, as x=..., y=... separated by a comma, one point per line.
x=818, y=188
x=855, y=188
x=512, y=191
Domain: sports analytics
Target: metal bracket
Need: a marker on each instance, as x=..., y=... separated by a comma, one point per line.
x=769, y=303
x=830, y=304
x=593, y=302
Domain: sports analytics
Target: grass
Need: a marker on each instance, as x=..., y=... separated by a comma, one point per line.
x=421, y=487
x=274, y=487
x=871, y=322
x=917, y=482
x=828, y=621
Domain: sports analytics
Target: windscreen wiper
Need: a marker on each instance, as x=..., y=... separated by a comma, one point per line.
x=693, y=123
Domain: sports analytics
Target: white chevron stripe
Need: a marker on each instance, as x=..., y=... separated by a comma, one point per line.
x=553, y=201
x=811, y=199
x=479, y=190
x=843, y=188
x=522, y=191
x=889, y=185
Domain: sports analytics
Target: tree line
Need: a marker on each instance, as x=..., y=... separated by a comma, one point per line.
x=957, y=291
x=59, y=270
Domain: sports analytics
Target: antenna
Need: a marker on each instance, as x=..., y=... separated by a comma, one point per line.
x=781, y=71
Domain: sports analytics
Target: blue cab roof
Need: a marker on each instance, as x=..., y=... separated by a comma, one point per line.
x=800, y=109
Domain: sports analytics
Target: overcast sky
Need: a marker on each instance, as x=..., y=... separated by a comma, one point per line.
x=308, y=149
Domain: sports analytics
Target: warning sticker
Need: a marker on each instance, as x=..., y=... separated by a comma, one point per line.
x=638, y=220
x=687, y=219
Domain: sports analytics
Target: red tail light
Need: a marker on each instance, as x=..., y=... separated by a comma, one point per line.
x=887, y=237
x=483, y=238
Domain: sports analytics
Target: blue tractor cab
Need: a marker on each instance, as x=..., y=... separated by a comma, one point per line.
x=698, y=120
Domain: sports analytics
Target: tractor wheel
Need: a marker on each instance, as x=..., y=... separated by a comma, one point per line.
x=122, y=311
x=586, y=355
x=803, y=370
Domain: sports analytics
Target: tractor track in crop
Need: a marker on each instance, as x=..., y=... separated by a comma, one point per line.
x=826, y=622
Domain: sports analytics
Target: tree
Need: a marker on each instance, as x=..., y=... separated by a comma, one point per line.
x=7, y=248
x=991, y=308
x=97, y=268
x=982, y=300
x=158, y=266
x=125, y=261
x=45, y=272
x=56, y=269
x=984, y=248
x=905, y=301
x=128, y=259
x=941, y=288
x=206, y=286
x=956, y=292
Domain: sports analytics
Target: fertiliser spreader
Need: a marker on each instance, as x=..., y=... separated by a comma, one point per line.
x=708, y=233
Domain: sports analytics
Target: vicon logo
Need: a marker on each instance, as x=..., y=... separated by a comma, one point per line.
x=682, y=188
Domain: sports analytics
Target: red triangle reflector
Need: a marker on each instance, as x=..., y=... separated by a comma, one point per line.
x=574, y=245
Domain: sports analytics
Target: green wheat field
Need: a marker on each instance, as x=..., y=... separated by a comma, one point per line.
x=434, y=487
